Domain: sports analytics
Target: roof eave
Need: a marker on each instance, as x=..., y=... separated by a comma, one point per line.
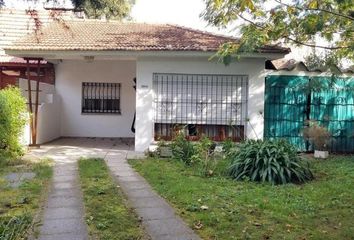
x=72, y=54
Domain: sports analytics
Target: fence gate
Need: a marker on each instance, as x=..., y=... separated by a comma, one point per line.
x=290, y=102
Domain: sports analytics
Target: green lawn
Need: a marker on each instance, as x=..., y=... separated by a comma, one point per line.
x=107, y=213
x=321, y=209
x=19, y=207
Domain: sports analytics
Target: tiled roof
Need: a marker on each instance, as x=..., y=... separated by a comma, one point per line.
x=96, y=35
x=293, y=65
x=16, y=24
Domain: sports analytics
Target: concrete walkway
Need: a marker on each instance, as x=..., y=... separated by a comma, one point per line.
x=157, y=215
x=63, y=216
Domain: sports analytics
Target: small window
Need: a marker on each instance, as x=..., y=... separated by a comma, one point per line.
x=101, y=98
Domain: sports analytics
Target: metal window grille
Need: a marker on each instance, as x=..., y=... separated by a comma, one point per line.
x=101, y=98
x=212, y=105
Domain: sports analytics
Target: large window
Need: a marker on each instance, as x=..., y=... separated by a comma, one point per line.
x=201, y=104
x=101, y=98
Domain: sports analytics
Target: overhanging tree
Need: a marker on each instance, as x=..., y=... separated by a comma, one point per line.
x=298, y=22
x=116, y=9
x=111, y=9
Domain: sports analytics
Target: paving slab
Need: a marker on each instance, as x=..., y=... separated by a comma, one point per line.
x=147, y=202
x=122, y=173
x=63, y=192
x=153, y=213
x=63, y=178
x=139, y=193
x=60, y=226
x=64, y=201
x=65, y=236
x=64, y=185
x=16, y=179
x=136, y=185
x=64, y=172
x=173, y=228
x=175, y=237
x=62, y=213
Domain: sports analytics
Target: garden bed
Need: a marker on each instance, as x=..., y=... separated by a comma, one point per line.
x=23, y=187
x=220, y=208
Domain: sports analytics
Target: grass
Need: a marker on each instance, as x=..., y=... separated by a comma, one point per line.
x=19, y=207
x=107, y=213
x=321, y=209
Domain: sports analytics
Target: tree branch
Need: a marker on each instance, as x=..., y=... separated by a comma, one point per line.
x=250, y=21
x=316, y=9
x=313, y=45
x=292, y=39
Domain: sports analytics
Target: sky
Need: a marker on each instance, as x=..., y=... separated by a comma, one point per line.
x=180, y=12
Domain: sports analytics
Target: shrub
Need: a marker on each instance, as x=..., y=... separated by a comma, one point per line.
x=182, y=149
x=227, y=146
x=204, y=156
x=13, y=119
x=319, y=136
x=273, y=161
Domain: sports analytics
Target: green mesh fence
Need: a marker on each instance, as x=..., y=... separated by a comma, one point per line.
x=291, y=100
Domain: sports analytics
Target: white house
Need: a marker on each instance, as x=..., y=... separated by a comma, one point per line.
x=96, y=63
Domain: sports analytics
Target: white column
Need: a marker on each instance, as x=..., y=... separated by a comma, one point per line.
x=144, y=108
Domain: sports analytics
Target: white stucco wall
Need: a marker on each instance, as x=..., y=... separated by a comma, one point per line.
x=69, y=77
x=254, y=68
x=48, y=112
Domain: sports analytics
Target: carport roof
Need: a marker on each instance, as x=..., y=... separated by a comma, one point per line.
x=97, y=35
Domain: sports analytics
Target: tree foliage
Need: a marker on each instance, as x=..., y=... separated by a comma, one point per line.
x=298, y=22
x=13, y=118
x=116, y=9
x=110, y=9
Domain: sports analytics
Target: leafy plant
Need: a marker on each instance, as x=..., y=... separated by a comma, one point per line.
x=319, y=136
x=12, y=228
x=273, y=161
x=204, y=156
x=227, y=146
x=182, y=149
x=13, y=118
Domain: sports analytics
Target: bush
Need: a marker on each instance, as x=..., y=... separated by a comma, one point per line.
x=273, y=161
x=227, y=146
x=13, y=118
x=319, y=136
x=182, y=149
x=204, y=156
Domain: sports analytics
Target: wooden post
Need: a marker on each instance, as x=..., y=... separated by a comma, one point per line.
x=37, y=103
x=0, y=77
x=29, y=98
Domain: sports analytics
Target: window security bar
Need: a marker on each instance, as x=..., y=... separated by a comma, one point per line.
x=101, y=98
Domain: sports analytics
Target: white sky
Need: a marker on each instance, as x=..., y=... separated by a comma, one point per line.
x=180, y=12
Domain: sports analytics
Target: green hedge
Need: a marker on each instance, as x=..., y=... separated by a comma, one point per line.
x=13, y=118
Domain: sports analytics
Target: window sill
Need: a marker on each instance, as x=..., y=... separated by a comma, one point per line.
x=107, y=113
